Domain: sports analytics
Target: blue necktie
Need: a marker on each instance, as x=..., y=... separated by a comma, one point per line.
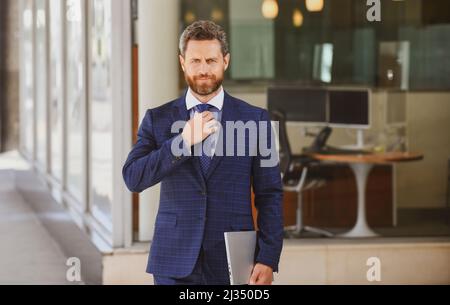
x=205, y=160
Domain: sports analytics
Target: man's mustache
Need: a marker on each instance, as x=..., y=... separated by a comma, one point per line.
x=202, y=77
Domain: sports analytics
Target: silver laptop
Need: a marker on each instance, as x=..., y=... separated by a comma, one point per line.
x=240, y=248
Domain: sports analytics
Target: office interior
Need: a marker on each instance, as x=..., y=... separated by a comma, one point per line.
x=82, y=73
x=313, y=64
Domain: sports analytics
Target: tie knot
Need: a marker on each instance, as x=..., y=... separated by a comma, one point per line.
x=204, y=107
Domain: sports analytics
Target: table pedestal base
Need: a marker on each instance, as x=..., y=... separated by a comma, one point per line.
x=361, y=228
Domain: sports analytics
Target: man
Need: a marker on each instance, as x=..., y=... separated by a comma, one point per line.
x=206, y=189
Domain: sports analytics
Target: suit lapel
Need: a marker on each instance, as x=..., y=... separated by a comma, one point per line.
x=179, y=112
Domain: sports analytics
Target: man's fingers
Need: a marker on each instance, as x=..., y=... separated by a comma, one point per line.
x=200, y=127
x=201, y=120
x=202, y=116
x=208, y=117
x=254, y=277
x=263, y=280
x=211, y=127
x=205, y=113
x=212, y=123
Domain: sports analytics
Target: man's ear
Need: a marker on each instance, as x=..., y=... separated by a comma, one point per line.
x=226, y=61
x=182, y=63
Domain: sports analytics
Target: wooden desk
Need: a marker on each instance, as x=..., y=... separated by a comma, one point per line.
x=361, y=166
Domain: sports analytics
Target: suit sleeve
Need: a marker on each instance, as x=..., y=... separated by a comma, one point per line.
x=268, y=200
x=147, y=164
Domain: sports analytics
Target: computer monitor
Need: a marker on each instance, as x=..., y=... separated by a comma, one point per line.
x=349, y=108
x=299, y=104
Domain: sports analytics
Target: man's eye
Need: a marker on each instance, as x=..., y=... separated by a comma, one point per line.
x=196, y=61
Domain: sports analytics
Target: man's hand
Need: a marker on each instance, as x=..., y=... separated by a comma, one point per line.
x=200, y=127
x=261, y=275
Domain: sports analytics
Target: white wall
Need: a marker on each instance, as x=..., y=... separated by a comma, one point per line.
x=424, y=184
x=158, y=80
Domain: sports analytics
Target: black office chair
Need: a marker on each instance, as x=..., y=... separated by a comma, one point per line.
x=297, y=176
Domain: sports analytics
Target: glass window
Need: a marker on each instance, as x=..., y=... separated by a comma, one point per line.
x=101, y=113
x=252, y=42
x=75, y=86
x=27, y=117
x=286, y=41
x=41, y=82
x=56, y=88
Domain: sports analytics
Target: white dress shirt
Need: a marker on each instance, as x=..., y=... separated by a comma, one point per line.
x=217, y=102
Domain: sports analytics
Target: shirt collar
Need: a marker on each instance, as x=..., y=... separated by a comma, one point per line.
x=217, y=101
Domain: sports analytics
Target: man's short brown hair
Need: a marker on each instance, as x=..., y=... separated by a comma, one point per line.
x=204, y=30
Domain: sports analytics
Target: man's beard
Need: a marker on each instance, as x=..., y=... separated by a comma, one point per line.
x=205, y=89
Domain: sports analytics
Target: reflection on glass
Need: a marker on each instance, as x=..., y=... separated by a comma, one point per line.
x=283, y=49
x=75, y=98
x=393, y=64
x=27, y=84
x=101, y=112
x=56, y=100
x=323, y=62
x=41, y=82
x=252, y=41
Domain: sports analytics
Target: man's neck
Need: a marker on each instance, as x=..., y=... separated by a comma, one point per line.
x=206, y=98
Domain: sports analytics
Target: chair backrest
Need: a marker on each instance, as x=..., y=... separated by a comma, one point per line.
x=284, y=146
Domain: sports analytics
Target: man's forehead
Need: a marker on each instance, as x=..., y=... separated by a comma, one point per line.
x=203, y=48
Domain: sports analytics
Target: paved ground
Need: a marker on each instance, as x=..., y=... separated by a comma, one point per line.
x=28, y=255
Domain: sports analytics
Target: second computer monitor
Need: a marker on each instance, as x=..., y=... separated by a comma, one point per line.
x=299, y=104
x=349, y=108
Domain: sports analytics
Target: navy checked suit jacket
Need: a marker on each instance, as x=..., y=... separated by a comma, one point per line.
x=195, y=209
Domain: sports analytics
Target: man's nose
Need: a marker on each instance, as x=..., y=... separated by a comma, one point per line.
x=204, y=68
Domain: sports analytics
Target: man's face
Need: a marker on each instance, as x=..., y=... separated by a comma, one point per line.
x=204, y=66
